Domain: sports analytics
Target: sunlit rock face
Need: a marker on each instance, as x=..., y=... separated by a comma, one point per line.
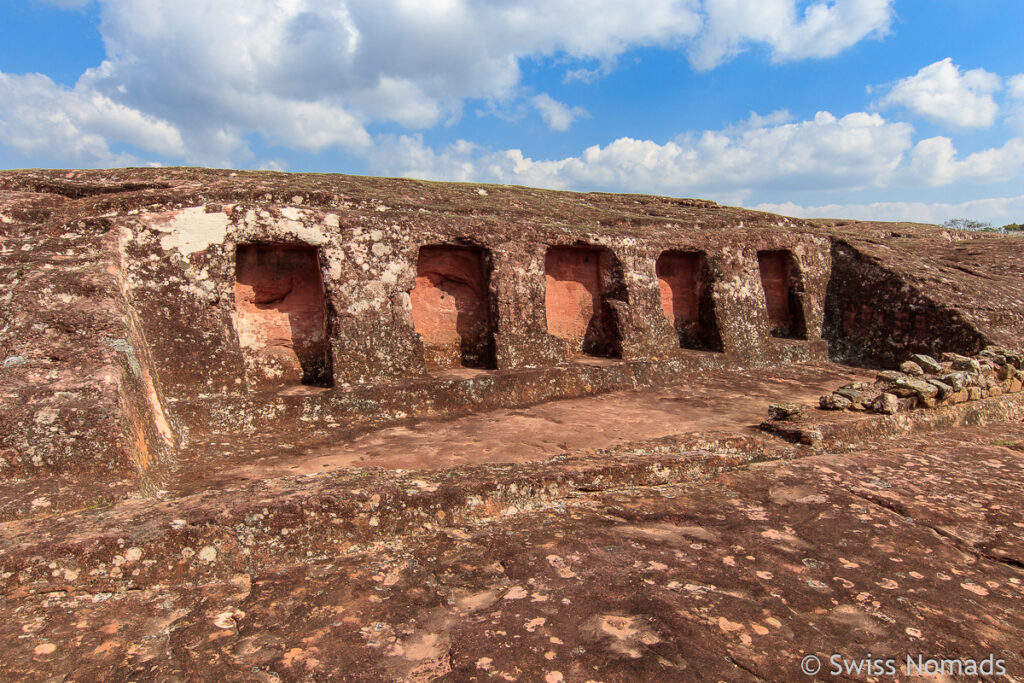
x=451, y=307
x=281, y=318
x=576, y=281
x=169, y=307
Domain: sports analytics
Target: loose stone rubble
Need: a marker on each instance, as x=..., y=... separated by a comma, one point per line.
x=923, y=382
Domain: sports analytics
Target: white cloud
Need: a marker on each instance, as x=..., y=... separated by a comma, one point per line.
x=823, y=29
x=314, y=74
x=1015, y=88
x=273, y=165
x=556, y=115
x=941, y=93
x=934, y=162
x=584, y=75
x=39, y=117
x=764, y=156
x=998, y=210
x=399, y=60
x=856, y=151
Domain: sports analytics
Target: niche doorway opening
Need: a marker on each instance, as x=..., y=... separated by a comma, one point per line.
x=685, y=285
x=282, y=315
x=782, y=285
x=580, y=283
x=452, y=307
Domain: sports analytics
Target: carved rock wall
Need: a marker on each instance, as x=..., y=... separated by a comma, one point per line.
x=136, y=315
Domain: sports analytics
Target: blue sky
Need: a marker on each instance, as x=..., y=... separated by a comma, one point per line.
x=883, y=109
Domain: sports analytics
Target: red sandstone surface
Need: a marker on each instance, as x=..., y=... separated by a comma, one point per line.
x=572, y=294
x=260, y=426
x=450, y=308
x=281, y=316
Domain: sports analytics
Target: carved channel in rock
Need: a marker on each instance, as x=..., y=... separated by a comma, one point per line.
x=451, y=308
x=686, y=299
x=281, y=315
x=579, y=284
x=781, y=282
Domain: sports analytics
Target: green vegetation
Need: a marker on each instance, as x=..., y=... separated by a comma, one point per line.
x=101, y=502
x=980, y=226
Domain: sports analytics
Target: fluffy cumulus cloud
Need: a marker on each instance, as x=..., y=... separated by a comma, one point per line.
x=40, y=118
x=942, y=93
x=934, y=162
x=1015, y=89
x=995, y=210
x=763, y=155
x=556, y=115
x=855, y=151
x=820, y=29
x=314, y=74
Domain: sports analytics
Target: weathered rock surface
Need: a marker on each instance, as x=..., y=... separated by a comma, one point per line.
x=886, y=550
x=258, y=426
x=183, y=305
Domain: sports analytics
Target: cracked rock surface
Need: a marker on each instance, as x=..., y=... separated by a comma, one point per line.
x=904, y=547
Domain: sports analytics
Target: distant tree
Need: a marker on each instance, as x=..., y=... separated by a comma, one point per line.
x=968, y=224
x=1013, y=227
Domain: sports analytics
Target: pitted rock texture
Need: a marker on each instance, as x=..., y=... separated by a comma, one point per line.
x=200, y=370
x=890, y=550
x=148, y=324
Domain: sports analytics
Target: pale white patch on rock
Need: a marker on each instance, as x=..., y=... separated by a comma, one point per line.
x=190, y=230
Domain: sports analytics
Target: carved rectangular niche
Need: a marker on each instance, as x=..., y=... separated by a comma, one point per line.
x=781, y=282
x=451, y=309
x=686, y=299
x=575, y=300
x=281, y=315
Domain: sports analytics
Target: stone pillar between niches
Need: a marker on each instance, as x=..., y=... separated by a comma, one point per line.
x=520, y=339
x=372, y=330
x=814, y=263
x=739, y=304
x=644, y=331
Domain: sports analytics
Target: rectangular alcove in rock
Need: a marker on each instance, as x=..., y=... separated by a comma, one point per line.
x=780, y=280
x=686, y=299
x=451, y=308
x=575, y=300
x=281, y=316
